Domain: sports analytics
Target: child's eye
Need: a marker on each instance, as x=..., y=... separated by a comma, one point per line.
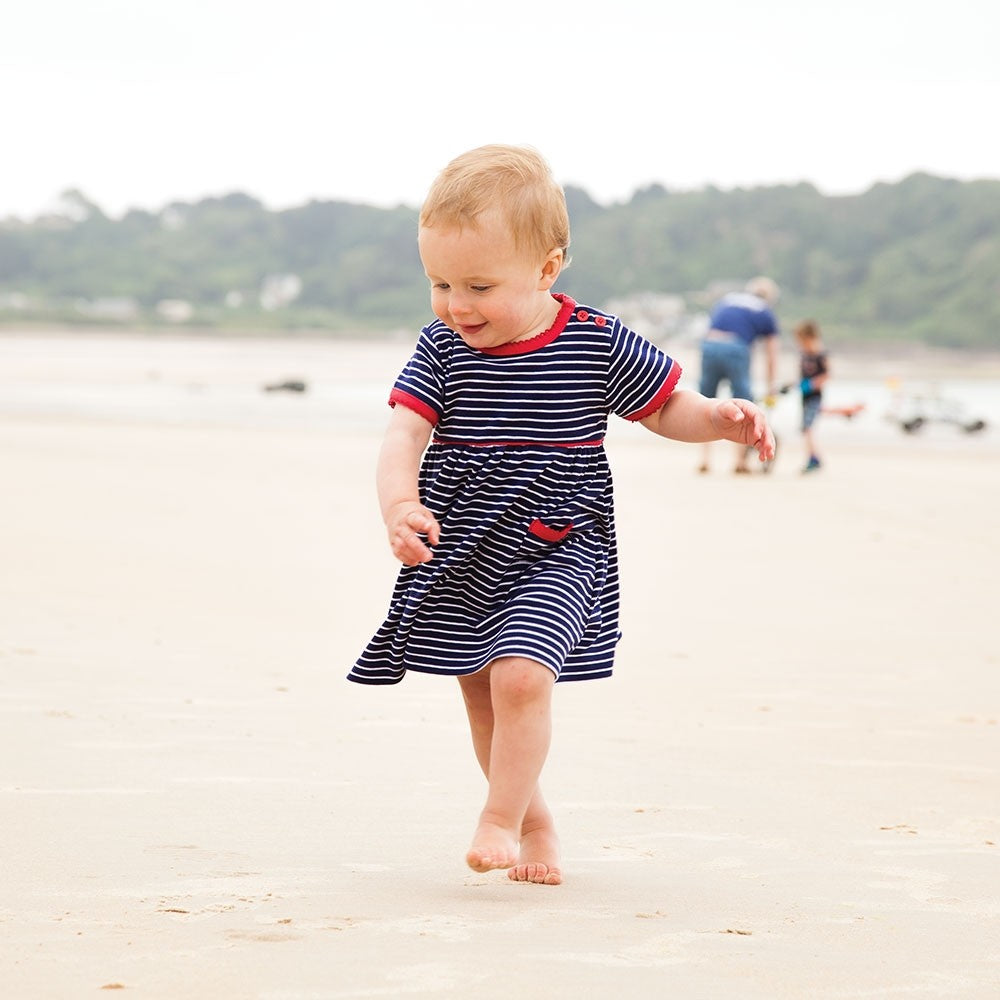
x=480, y=288
x=441, y=286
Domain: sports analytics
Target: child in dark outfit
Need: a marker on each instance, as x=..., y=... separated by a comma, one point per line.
x=813, y=371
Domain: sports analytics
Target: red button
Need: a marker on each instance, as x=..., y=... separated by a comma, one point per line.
x=582, y=315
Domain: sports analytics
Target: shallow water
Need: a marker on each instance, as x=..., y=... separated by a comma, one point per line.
x=218, y=381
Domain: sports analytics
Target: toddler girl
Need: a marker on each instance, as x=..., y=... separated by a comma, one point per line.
x=495, y=488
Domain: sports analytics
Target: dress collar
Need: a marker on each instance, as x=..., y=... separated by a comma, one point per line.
x=540, y=340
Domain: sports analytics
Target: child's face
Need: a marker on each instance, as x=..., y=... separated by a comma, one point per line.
x=483, y=287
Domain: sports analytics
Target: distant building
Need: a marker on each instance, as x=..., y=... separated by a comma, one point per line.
x=174, y=310
x=279, y=290
x=120, y=309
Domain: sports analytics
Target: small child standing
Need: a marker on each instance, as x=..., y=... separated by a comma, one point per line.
x=813, y=371
x=495, y=488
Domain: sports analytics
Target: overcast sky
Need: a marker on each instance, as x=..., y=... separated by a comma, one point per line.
x=141, y=102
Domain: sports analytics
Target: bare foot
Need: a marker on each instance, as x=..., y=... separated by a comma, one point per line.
x=539, y=859
x=492, y=847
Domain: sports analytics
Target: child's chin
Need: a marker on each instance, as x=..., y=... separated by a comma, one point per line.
x=477, y=340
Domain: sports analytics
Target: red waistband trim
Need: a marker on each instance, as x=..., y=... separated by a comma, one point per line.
x=521, y=444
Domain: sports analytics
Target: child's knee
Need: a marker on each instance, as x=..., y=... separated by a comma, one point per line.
x=518, y=679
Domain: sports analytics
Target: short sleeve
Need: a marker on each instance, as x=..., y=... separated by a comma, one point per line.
x=420, y=385
x=640, y=376
x=769, y=324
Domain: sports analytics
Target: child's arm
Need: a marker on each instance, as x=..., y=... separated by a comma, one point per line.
x=818, y=381
x=398, y=493
x=689, y=416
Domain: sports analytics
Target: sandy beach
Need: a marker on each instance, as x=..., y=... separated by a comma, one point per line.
x=789, y=789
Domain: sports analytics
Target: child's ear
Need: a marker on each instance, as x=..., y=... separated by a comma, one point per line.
x=551, y=267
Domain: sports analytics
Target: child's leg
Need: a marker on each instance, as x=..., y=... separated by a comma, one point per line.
x=810, y=411
x=509, y=708
x=810, y=443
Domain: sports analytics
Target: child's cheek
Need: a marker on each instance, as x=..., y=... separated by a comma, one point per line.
x=439, y=306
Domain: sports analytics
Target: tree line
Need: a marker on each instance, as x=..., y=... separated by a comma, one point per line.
x=918, y=260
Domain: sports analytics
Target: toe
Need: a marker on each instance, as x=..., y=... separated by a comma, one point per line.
x=535, y=872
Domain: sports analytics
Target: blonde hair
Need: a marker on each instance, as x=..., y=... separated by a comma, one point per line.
x=514, y=181
x=765, y=288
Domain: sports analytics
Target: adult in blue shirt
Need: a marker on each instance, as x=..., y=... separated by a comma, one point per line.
x=738, y=320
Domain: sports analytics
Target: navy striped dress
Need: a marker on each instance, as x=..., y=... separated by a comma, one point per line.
x=517, y=476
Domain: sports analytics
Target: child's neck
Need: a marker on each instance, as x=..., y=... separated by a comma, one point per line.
x=547, y=318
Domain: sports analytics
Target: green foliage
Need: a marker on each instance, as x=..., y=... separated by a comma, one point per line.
x=916, y=260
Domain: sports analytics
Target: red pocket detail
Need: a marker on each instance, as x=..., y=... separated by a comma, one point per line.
x=548, y=534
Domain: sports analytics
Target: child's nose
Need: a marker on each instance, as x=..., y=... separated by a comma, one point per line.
x=458, y=304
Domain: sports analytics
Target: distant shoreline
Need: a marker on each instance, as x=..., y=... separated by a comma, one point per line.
x=853, y=359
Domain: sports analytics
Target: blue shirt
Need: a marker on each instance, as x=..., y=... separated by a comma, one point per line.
x=745, y=316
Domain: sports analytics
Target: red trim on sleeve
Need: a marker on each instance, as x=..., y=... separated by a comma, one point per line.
x=665, y=390
x=548, y=534
x=412, y=403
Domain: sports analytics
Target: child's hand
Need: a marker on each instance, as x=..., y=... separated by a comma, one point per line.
x=403, y=522
x=741, y=421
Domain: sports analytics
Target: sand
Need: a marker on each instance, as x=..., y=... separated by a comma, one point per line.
x=790, y=788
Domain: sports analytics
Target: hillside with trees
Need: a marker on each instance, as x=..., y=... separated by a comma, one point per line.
x=916, y=261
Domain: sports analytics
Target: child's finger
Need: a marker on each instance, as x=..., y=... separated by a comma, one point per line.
x=765, y=443
x=420, y=555
x=426, y=524
x=434, y=532
x=411, y=550
x=408, y=547
x=731, y=410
